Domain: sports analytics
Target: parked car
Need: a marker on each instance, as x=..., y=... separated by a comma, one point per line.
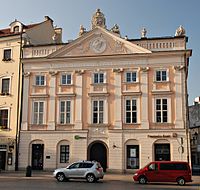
x=164, y=171
x=89, y=170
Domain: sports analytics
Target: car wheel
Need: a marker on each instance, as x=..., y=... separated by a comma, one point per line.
x=142, y=180
x=60, y=177
x=90, y=178
x=181, y=181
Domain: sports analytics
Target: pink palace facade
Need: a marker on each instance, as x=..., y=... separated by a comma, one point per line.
x=102, y=97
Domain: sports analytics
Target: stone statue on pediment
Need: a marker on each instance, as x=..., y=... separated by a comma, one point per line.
x=180, y=31
x=115, y=29
x=82, y=30
x=143, y=33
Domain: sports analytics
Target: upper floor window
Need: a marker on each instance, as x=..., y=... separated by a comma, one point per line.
x=38, y=112
x=66, y=79
x=161, y=75
x=40, y=80
x=65, y=111
x=7, y=55
x=5, y=86
x=16, y=29
x=97, y=111
x=64, y=153
x=131, y=76
x=161, y=110
x=98, y=78
x=4, y=119
x=131, y=110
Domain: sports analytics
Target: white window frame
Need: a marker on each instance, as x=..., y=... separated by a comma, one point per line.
x=131, y=73
x=40, y=75
x=71, y=99
x=98, y=111
x=65, y=112
x=7, y=108
x=99, y=73
x=66, y=74
x=38, y=112
x=1, y=84
x=161, y=70
x=137, y=109
x=169, y=107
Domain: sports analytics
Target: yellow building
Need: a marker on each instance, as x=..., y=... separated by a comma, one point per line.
x=102, y=97
x=11, y=41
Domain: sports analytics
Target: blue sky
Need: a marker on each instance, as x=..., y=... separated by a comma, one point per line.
x=160, y=17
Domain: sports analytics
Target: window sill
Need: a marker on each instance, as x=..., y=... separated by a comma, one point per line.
x=7, y=60
x=98, y=125
x=98, y=84
x=167, y=81
x=5, y=94
x=66, y=85
x=129, y=83
x=39, y=86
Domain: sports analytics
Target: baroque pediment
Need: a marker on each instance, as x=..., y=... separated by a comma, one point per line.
x=98, y=41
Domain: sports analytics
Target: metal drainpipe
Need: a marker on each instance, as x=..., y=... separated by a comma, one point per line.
x=187, y=108
x=18, y=112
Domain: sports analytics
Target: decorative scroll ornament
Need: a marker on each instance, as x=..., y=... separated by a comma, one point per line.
x=179, y=67
x=144, y=69
x=118, y=70
x=79, y=72
x=53, y=73
x=27, y=74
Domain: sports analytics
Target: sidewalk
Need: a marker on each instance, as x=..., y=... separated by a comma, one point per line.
x=49, y=175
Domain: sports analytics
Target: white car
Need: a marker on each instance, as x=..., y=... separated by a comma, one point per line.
x=89, y=170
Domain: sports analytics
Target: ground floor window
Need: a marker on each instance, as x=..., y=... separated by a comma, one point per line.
x=162, y=152
x=64, y=153
x=132, y=156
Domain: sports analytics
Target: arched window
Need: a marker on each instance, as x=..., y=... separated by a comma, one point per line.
x=16, y=29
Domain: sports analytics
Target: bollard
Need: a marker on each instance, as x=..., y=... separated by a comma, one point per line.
x=28, y=171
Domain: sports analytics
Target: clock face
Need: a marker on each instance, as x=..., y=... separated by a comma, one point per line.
x=99, y=21
x=98, y=45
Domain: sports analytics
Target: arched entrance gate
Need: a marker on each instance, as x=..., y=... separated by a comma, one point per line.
x=98, y=151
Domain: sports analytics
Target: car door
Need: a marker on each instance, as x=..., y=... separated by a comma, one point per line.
x=73, y=170
x=152, y=172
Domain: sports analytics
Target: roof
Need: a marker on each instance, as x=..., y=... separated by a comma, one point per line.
x=6, y=32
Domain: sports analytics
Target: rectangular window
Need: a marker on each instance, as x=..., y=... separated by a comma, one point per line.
x=7, y=55
x=64, y=153
x=4, y=119
x=98, y=78
x=161, y=76
x=66, y=79
x=38, y=113
x=132, y=156
x=65, y=112
x=161, y=111
x=131, y=76
x=131, y=111
x=98, y=110
x=40, y=80
x=5, y=86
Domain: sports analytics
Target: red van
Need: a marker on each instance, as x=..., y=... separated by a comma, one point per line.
x=164, y=171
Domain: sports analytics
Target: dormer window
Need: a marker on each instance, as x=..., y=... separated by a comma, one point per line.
x=7, y=55
x=16, y=29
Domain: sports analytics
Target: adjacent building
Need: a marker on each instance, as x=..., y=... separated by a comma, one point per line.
x=11, y=41
x=102, y=97
x=194, y=117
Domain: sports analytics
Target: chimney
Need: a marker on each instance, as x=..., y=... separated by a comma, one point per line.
x=58, y=32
